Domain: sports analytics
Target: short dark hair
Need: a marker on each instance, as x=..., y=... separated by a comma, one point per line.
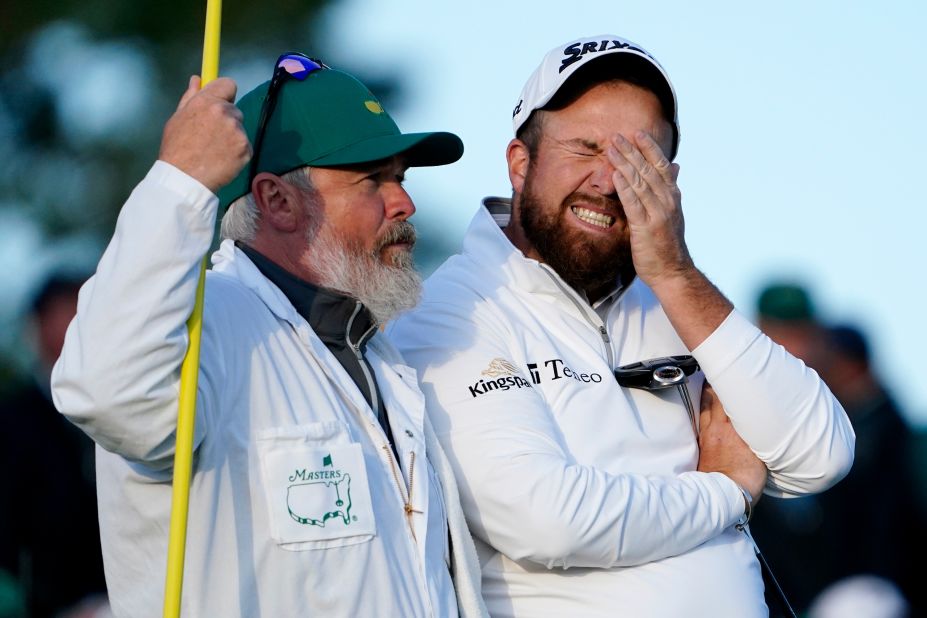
x=55, y=285
x=849, y=341
x=626, y=68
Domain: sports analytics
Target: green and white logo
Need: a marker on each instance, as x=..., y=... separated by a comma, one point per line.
x=324, y=494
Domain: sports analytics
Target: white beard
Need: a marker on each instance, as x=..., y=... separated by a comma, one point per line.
x=386, y=290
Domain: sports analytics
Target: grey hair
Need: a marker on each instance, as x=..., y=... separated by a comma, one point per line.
x=241, y=219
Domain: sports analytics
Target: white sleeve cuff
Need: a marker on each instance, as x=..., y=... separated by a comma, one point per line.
x=188, y=189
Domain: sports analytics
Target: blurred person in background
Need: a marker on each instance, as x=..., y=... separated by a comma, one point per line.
x=49, y=535
x=786, y=313
x=870, y=523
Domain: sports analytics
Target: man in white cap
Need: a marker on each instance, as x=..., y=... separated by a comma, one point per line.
x=587, y=497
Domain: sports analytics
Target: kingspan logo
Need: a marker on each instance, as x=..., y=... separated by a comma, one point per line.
x=500, y=375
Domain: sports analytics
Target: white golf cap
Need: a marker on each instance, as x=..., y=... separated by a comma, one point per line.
x=564, y=61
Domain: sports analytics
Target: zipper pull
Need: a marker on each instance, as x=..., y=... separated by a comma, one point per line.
x=404, y=493
x=409, y=509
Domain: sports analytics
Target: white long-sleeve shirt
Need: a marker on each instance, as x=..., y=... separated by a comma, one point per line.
x=297, y=505
x=583, y=495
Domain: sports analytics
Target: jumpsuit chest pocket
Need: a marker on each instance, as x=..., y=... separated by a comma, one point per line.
x=315, y=484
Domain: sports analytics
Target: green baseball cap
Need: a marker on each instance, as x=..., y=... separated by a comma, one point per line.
x=789, y=302
x=329, y=119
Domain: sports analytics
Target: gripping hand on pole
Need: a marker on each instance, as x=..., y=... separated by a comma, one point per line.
x=204, y=138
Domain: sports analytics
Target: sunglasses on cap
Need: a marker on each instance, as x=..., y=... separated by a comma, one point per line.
x=291, y=65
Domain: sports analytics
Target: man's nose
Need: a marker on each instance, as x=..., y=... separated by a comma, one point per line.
x=398, y=202
x=602, y=177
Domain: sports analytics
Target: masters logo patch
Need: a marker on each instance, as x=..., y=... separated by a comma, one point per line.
x=328, y=486
x=316, y=492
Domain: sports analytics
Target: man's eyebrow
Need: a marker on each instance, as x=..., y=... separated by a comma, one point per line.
x=579, y=142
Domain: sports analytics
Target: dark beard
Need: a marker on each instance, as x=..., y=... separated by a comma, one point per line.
x=589, y=265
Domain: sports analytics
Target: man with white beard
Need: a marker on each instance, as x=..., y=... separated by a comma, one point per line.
x=318, y=485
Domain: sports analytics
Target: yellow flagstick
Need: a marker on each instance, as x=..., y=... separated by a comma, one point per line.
x=189, y=374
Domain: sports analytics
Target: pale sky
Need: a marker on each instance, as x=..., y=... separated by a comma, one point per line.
x=802, y=135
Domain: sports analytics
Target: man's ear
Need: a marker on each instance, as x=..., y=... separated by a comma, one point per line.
x=518, y=158
x=277, y=201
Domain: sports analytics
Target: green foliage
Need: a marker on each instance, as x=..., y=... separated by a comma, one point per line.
x=166, y=23
x=66, y=184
